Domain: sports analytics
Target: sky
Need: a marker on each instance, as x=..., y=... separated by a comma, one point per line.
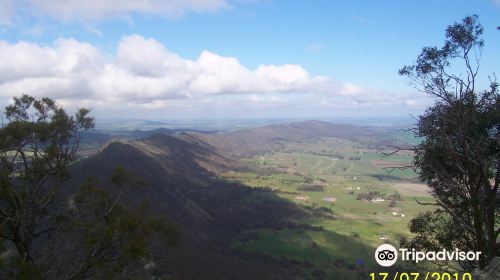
x=191, y=59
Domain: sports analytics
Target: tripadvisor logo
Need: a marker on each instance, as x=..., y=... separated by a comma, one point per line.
x=387, y=255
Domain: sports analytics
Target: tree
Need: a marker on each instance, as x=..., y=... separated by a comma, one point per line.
x=459, y=158
x=37, y=145
x=108, y=239
x=89, y=233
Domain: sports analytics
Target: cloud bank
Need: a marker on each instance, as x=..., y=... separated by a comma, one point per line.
x=94, y=10
x=144, y=73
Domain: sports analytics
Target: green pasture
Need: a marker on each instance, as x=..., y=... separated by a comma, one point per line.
x=358, y=226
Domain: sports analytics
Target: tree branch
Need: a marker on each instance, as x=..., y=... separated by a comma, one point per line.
x=44, y=231
x=449, y=211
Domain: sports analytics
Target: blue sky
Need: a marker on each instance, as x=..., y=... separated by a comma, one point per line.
x=229, y=59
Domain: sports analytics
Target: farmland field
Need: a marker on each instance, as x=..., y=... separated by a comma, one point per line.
x=357, y=199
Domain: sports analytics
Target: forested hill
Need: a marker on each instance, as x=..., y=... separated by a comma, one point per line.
x=248, y=142
x=180, y=185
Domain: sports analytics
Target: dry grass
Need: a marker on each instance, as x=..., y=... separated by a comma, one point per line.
x=411, y=189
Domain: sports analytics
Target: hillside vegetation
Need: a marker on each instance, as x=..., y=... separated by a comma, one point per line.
x=280, y=201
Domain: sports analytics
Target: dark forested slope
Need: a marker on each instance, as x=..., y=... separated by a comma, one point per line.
x=209, y=212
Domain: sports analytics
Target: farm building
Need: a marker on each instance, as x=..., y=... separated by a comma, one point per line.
x=377, y=200
x=302, y=197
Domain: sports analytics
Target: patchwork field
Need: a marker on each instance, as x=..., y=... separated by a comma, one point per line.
x=356, y=197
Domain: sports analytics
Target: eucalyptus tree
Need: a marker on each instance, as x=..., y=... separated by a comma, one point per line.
x=459, y=157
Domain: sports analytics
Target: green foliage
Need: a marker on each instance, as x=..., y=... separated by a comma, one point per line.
x=97, y=235
x=459, y=157
x=25, y=270
x=37, y=144
x=396, y=196
x=432, y=233
x=116, y=239
x=370, y=195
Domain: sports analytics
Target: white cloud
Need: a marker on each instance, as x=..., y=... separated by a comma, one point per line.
x=93, y=30
x=145, y=74
x=94, y=10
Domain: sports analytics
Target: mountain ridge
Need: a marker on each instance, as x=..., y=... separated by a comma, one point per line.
x=252, y=141
x=180, y=183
